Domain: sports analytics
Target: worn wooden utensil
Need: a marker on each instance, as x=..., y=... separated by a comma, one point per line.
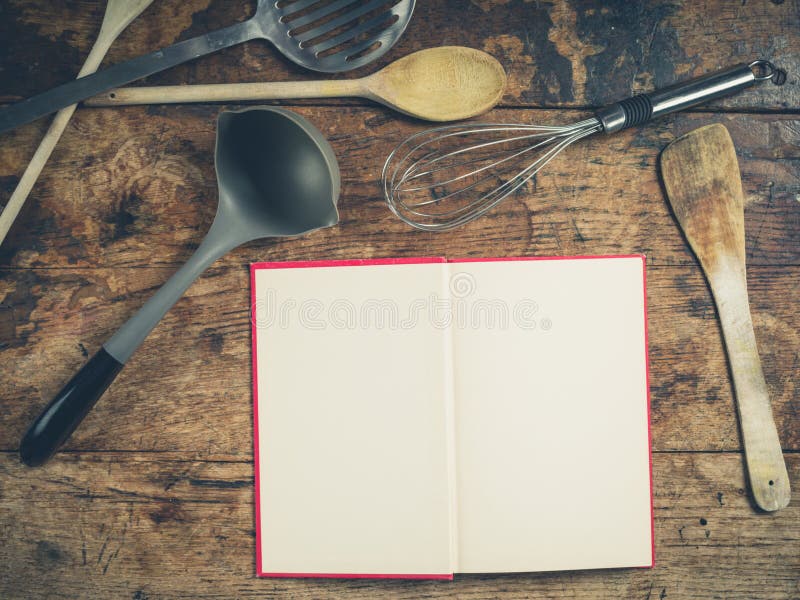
x=119, y=14
x=437, y=84
x=701, y=176
x=323, y=35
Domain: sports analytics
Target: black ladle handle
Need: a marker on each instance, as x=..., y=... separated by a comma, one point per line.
x=77, y=398
x=67, y=409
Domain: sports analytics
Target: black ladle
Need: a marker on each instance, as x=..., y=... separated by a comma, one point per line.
x=278, y=177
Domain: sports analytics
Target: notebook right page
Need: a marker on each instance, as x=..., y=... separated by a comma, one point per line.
x=551, y=414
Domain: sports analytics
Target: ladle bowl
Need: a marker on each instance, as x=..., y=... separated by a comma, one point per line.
x=277, y=177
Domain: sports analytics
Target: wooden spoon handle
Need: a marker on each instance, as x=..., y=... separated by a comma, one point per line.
x=228, y=92
x=766, y=468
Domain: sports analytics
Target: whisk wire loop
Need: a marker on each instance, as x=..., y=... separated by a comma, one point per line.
x=434, y=183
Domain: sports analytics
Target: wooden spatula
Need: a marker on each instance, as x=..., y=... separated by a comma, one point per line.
x=702, y=180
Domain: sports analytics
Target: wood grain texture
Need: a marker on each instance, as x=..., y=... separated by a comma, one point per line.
x=153, y=497
x=188, y=387
x=145, y=195
x=181, y=525
x=561, y=53
x=118, y=15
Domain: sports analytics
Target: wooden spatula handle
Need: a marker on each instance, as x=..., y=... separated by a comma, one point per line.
x=704, y=186
x=766, y=468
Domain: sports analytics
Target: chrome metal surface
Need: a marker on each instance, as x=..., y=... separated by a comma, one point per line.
x=686, y=94
x=703, y=89
x=763, y=70
x=332, y=36
x=612, y=117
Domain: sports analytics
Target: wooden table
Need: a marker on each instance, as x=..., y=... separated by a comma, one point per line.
x=153, y=495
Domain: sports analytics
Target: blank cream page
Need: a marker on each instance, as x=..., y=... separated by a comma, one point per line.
x=352, y=391
x=551, y=415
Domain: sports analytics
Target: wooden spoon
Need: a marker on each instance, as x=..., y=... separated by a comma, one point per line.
x=119, y=14
x=437, y=84
x=702, y=180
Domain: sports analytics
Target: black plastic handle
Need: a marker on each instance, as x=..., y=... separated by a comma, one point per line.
x=68, y=408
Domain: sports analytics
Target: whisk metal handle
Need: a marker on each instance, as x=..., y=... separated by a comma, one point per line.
x=644, y=107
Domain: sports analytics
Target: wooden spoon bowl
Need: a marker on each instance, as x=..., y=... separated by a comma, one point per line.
x=440, y=84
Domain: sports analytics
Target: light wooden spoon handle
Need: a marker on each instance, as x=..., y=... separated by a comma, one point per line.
x=229, y=92
x=447, y=83
x=119, y=14
x=704, y=186
x=769, y=479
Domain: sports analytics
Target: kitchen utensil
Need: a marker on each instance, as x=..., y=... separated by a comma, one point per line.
x=277, y=177
x=119, y=14
x=447, y=176
x=704, y=187
x=321, y=35
x=437, y=84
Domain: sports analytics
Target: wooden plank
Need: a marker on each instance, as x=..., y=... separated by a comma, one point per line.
x=136, y=186
x=189, y=387
x=149, y=525
x=556, y=53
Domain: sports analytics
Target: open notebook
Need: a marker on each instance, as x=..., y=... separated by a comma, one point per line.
x=422, y=417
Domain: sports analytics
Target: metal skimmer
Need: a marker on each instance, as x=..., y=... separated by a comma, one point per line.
x=322, y=35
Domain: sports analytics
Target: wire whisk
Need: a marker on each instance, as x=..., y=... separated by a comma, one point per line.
x=433, y=181
x=448, y=176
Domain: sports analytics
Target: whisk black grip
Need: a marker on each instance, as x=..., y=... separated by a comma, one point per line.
x=638, y=109
x=642, y=108
x=627, y=113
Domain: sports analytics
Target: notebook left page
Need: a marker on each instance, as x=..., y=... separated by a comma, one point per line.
x=352, y=399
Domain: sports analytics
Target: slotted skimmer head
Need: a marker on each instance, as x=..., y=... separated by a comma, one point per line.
x=334, y=35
